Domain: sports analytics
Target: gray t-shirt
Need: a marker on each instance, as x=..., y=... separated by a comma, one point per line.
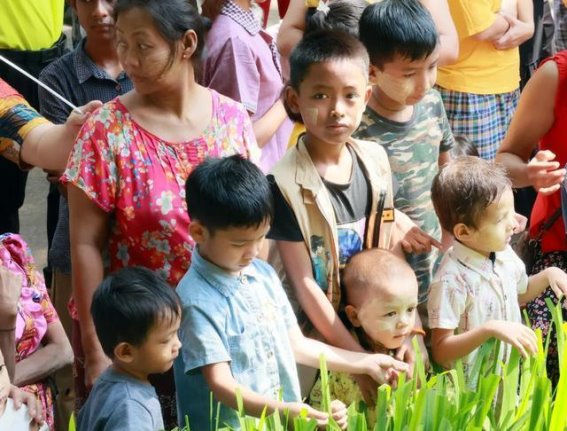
x=119, y=402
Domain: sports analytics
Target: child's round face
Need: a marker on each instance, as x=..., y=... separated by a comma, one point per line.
x=403, y=81
x=495, y=228
x=233, y=248
x=331, y=100
x=388, y=318
x=157, y=353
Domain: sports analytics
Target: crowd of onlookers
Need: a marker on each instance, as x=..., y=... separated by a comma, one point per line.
x=228, y=202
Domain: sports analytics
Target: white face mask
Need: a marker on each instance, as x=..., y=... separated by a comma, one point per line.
x=398, y=89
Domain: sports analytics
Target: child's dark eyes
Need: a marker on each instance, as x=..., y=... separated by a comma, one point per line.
x=391, y=314
x=352, y=95
x=319, y=96
x=411, y=309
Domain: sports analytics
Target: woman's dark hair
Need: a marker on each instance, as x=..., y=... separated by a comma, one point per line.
x=172, y=19
x=320, y=47
x=342, y=15
x=128, y=303
x=228, y=192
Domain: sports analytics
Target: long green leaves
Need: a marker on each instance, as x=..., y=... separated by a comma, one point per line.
x=491, y=396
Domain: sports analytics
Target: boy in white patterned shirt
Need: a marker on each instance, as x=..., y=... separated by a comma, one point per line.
x=477, y=291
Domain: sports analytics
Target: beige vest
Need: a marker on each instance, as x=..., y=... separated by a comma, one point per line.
x=305, y=193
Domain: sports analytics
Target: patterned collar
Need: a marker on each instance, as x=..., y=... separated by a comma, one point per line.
x=86, y=68
x=474, y=260
x=246, y=19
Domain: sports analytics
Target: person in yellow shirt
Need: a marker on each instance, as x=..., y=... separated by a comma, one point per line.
x=480, y=91
x=31, y=35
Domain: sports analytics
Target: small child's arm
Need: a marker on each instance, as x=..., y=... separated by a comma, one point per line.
x=307, y=351
x=448, y=347
x=224, y=387
x=537, y=283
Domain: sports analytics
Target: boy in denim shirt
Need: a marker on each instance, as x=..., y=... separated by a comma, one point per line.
x=238, y=329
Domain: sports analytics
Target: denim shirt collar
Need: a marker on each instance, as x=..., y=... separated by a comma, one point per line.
x=85, y=68
x=217, y=277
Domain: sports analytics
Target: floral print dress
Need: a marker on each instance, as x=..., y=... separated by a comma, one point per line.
x=139, y=179
x=35, y=313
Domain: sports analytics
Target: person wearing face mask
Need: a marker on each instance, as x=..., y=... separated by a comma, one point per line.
x=405, y=116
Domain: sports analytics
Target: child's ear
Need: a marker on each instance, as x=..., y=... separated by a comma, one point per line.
x=123, y=352
x=291, y=97
x=352, y=314
x=197, y=231
x=462, y=232
x=189, y=44
x=372, y=74
x=367, y=94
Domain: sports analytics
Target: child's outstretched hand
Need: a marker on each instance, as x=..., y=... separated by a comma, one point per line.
x=411, y=238
x=407, y=353
x=518, y=335
x=296, y=409
x=383, y=368
x=417, y=241
x=557, y=280
x=339, y=413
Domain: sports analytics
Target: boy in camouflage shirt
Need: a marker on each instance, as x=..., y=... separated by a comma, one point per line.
x=405, y=115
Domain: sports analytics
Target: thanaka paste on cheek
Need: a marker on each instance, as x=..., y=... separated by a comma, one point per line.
x=398, y=89
x=312, y=114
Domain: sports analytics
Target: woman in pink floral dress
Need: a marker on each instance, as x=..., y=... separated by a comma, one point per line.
x=41, y=344
x=127, y=171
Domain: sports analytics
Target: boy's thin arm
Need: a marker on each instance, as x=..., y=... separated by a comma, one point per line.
x=537, y=283
x=308, y=351
x=266, y=126
x=224, y=387
x=312, y=298
x=447, y=347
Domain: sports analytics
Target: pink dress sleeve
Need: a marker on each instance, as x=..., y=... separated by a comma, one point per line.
x=240, y=138
x=234, y=59
x=92, y=166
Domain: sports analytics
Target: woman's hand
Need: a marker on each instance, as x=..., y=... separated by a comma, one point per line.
x=20, y=397
x=544, y=173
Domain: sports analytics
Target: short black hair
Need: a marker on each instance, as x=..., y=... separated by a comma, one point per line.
x=320, y=47
x=228, y=192
x=397, y=27
x=128, y=303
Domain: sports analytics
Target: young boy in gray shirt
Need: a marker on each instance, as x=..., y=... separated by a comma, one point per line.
x=136, y=317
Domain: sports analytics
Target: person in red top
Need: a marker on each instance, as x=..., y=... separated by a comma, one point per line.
x=541, y=123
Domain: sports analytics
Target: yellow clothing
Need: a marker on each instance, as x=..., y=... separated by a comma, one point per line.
x=480, y=68
x=298, y=130
x=30, y=25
